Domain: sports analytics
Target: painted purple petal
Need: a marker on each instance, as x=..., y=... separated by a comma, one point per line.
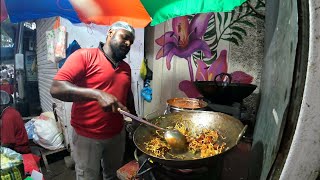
x=198, y=25
x=206, y=49
x=189, y=89
x=165, y=50
x=194, y=46
x=167, y=38
x=201, y=73
x=218, y=66
x=168, y=60
x=241, y=77
x=180, y=26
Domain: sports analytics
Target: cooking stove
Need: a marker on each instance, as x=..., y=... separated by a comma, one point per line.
x=150, y=170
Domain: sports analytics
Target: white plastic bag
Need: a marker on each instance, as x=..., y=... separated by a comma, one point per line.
x=56, y=44
x=48, y=134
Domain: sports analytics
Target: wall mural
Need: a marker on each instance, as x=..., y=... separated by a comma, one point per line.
x=195, y=38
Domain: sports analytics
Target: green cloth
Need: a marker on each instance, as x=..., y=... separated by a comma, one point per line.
x=163, y=10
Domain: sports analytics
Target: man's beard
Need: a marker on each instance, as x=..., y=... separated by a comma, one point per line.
x=118, y=53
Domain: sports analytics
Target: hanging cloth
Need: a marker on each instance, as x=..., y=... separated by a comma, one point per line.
x=71, y=48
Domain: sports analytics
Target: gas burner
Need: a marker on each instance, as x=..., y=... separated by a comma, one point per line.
x=186, y=171
x=149, y=170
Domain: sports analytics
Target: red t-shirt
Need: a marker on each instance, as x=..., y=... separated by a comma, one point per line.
x=91, y=69
x=13, y=131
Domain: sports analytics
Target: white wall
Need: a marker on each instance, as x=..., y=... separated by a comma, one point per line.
x=303, y=161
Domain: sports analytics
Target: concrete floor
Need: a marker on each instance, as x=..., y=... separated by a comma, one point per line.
x=235, y=165
x=59, y=171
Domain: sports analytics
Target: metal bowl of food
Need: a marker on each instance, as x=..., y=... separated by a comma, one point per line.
x=185, y=104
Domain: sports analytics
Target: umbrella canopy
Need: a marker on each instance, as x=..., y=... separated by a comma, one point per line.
x=139, y=13
x=26, y=10
x=107, y=11
x=162, y=10
x=4, y=13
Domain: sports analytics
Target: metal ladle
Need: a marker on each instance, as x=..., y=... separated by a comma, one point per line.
x=174, y=138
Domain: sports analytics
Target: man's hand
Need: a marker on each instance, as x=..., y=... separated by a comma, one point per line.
x=109, y=102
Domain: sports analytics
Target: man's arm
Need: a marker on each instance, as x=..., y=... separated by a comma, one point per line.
x=66, y=91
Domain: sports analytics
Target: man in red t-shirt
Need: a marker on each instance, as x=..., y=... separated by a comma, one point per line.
x=13, y=132
x=98, y=82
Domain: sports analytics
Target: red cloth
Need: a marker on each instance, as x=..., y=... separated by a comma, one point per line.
x=89, y=68
x=30, y=162
x=13, y=131
x=128, y=171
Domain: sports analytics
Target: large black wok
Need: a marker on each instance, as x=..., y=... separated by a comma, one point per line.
x=224, y=92
x=229, y=127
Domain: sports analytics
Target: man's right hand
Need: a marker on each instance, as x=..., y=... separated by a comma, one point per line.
x=65, y=91
x=109, y=102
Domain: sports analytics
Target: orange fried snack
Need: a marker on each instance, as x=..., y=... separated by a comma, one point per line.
x=157, y=146
x=205, y=143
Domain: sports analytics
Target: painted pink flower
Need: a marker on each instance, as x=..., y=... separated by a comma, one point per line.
x=241, y=77
x=220, y=65
x=185, y=39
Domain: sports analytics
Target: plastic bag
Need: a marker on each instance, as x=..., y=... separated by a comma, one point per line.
x=146, y=92
x=145, y=71
x=30, y=128
x=11, y=164
x=60, y=43
x=56, y=43
x=48, y=134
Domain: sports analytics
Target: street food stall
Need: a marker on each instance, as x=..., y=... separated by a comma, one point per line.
x=250, y=63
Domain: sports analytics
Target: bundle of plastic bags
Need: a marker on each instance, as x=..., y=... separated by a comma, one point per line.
x=56, y=42
x=11, y=164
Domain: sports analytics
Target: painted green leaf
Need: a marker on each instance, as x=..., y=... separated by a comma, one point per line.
x=240, y=9
x=247, y=23
x=260, y=4
x=239, y=29
x=225, y=18
x=232, y=15
x=238, y=35
x=220, y=20
x=232, y=39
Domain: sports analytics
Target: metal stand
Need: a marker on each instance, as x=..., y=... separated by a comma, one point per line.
x=233, y=110
x=45, y=153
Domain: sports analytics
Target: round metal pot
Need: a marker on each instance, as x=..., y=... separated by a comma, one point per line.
x=185, y=104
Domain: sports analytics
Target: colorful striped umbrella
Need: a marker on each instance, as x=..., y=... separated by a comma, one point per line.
x=139, y=13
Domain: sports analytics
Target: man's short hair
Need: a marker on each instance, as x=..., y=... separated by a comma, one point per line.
x=122, y=25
